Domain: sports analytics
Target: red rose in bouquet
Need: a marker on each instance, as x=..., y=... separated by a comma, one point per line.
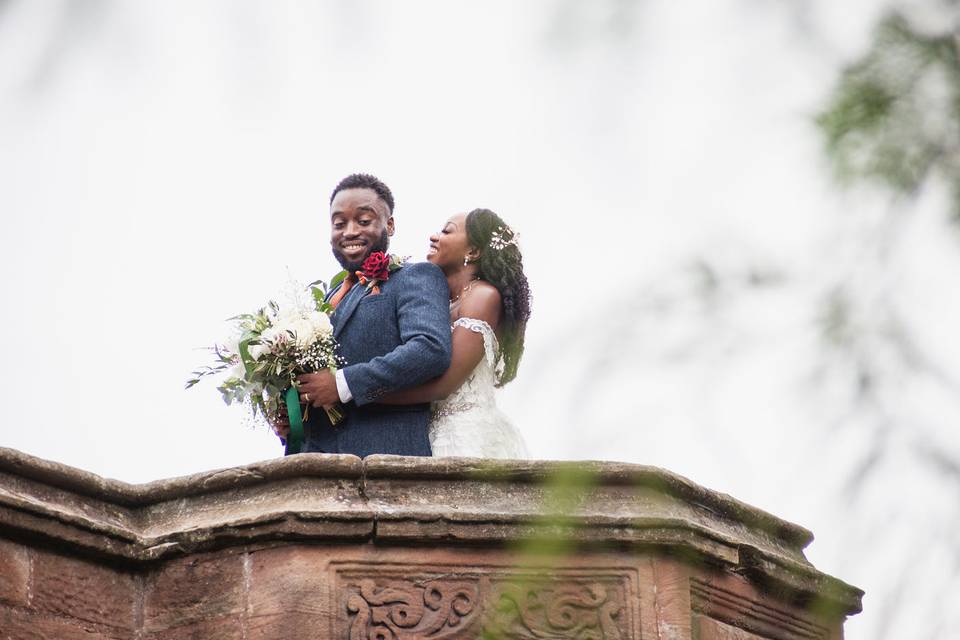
x=376, y=266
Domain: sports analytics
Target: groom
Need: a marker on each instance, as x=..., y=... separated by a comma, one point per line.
x=392, y=336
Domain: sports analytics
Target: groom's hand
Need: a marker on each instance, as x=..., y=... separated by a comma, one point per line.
x=318, y=389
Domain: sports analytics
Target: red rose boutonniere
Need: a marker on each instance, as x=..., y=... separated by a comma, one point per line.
x=376, y=266
x=376, y=269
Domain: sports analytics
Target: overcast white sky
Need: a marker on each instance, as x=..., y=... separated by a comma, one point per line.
x=165, y=164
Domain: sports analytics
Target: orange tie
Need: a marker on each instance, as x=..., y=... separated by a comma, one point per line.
x=348, y=282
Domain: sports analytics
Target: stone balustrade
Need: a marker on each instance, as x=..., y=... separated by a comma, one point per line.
x=332, y=546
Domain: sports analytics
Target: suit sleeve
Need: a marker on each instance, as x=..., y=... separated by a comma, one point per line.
x=423, y=317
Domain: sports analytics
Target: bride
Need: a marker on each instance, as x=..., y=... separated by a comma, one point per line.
x=489, y=308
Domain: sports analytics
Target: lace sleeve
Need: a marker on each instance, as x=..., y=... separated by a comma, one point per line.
x=490, y=344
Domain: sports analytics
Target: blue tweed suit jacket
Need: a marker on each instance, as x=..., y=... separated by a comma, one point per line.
x=396, y=339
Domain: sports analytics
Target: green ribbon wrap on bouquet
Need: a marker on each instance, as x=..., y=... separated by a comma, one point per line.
x=295, y=437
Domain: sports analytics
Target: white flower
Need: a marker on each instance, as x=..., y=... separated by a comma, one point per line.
x=321, y=322
x=232, y=345
x=283, y=320
x=256, y=351
x=307, y=326
x=271, y=335
x=238, y=371
x=304, y=332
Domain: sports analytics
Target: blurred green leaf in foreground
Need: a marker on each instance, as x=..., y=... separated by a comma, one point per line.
x=894, y=116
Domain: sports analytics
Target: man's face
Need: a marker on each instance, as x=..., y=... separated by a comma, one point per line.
x=360, y=223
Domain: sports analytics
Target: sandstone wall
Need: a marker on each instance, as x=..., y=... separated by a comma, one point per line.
x=320, y=547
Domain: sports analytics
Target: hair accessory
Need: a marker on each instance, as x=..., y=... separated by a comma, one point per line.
x=499, y=239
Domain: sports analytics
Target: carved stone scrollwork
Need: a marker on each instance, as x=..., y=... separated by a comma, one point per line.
x=401, y=610
x=554, y=611
x=484, y=606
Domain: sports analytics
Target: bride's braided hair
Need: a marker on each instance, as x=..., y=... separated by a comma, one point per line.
x=501, y=265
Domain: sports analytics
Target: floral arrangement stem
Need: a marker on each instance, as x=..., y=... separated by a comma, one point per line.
x=335, y=414
x=295, y=437
x=294, y=442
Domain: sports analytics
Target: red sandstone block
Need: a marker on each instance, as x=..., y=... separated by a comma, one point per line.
x=24, y=625
x=290, y=626
x=289, y=578
x=671, y=581
x=82, y=590
x=223, y=628
x=709, y=629
x=188, y=591
x=14, y=573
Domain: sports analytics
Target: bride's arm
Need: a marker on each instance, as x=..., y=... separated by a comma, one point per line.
x=468, y=350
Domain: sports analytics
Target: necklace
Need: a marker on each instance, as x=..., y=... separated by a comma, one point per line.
x=468, y=286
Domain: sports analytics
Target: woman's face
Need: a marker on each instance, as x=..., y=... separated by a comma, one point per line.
x=449, y=246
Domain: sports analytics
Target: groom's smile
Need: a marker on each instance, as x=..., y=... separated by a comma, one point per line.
x=360, y=223
x=353, y=250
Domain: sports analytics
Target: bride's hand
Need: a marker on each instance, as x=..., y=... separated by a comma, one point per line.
x=281, y=424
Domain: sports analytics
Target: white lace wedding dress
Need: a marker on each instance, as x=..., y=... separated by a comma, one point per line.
x=468, y=422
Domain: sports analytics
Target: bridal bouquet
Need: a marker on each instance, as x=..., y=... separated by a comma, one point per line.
x=268, y=351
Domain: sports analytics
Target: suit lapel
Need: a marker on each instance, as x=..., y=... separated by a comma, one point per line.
x=346, y=307
x=341, y=315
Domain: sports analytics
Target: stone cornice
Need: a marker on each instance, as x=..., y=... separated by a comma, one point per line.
x=410, y=501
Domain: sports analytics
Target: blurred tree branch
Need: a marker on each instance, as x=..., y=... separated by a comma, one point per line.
x=894, y=116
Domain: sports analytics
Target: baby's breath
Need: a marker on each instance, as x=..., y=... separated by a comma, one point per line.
x=270, y=349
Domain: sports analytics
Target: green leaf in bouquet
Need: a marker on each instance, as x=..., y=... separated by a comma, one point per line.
x=257, y=403
x=245, y=358
x=318, y=298
x=244, y=318
x=263, y=319
x=206, y=371
x=337, y=279
x=324, y=307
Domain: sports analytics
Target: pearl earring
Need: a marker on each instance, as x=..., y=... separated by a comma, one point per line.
x=466, y=260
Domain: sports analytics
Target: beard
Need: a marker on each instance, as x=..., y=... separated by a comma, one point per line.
x=380, y=245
